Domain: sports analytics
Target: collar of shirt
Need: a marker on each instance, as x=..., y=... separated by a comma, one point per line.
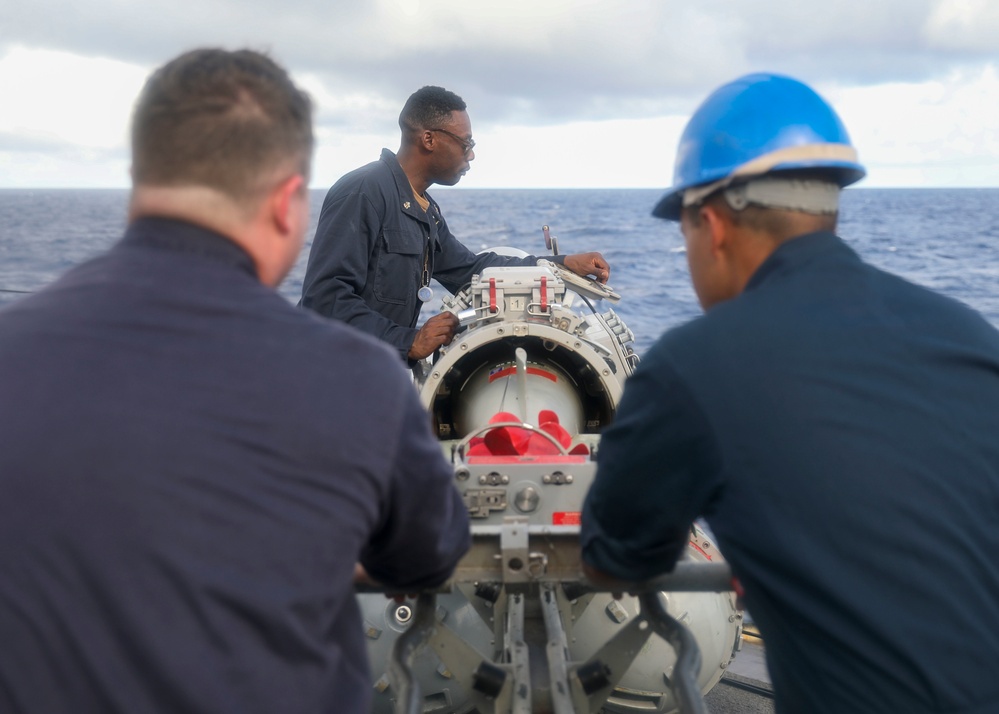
x=181, y=237
x=422, y=200
x=795, y=252
x=406, y=190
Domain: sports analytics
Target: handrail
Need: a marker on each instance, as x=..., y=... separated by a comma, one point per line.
x=686, y=576
x=488, y=564
x=688, y=655
x=404, y=651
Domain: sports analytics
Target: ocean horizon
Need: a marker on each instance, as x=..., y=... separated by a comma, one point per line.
x=945, y=239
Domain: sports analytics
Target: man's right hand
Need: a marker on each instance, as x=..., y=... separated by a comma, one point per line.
x=438, y=330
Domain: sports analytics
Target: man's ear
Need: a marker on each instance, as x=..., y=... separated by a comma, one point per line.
x=719, y=228
x=427, y=140
x=281, y=200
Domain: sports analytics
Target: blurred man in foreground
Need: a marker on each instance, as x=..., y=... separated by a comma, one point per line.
x=184, y=489
x=835, y=424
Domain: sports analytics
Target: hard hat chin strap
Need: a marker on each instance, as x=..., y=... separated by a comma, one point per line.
x=811, y=196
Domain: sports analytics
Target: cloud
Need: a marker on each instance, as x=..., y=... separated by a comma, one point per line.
x=941, y=132
x=52, y=96
x=66, y=167
x=538, y=62
x=621, y=153
x=585, y=75
x=965, y=27
x=24, y=143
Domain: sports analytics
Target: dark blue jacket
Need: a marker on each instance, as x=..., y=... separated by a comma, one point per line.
x=366, y=262
x=839, y=428
x=185, y=489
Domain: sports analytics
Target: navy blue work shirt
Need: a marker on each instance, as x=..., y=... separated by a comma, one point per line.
x=185, y=488
x=366, y=262
x=839, y=429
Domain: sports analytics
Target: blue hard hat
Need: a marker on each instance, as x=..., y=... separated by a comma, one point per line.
x=753, y=119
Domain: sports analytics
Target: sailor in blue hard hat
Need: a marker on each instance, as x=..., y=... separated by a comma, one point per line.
x=770, y=153
x=833, y=423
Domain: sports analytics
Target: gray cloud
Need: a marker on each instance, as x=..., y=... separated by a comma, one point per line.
x=530, y=62
x=27, y=144
x=26, y=148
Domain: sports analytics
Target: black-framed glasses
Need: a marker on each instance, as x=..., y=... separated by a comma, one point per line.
x=466, y=144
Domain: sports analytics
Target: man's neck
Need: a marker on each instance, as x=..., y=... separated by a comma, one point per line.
x=201, y=206
x=414, y=168
x=194, y=204
x=421, y=198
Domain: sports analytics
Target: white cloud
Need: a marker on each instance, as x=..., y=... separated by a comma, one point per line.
x=618, y=153
x=65, y=119
x=561, y=93
x=55, y=95
x=77, y=168
x=964, y=25
x=936, y=133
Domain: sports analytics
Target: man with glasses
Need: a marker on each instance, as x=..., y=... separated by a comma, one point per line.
x=381, y=237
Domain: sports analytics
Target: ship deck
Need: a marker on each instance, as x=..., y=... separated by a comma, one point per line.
x=745, y=688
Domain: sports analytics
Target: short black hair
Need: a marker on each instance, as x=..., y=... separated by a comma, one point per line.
x=429, y=107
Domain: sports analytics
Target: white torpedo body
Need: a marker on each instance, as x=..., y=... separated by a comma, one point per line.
x=518, y=400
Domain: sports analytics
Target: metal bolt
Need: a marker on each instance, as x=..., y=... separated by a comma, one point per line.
x=616, y=612
x=527, y=499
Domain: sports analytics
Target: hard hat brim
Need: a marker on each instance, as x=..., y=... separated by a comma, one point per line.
x=670, y=206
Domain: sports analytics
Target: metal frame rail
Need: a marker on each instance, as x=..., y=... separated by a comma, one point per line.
x=543, y=562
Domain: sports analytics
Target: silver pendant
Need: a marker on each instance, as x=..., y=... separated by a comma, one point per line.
x=425, y=294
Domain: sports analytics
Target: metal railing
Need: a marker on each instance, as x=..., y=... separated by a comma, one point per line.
x=543, y=563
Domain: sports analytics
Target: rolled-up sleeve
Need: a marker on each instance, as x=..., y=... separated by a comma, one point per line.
x=657, y=470
x=425, y=527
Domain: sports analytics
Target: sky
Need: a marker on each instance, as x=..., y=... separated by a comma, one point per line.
x=574, y=93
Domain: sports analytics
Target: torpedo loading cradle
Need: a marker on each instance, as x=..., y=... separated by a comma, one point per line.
x=518, y=400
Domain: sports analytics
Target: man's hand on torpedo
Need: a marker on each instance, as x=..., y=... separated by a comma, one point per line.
x=438, y=330
x=588, y=265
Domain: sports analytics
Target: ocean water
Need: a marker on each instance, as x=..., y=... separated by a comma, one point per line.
x=946, y=239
